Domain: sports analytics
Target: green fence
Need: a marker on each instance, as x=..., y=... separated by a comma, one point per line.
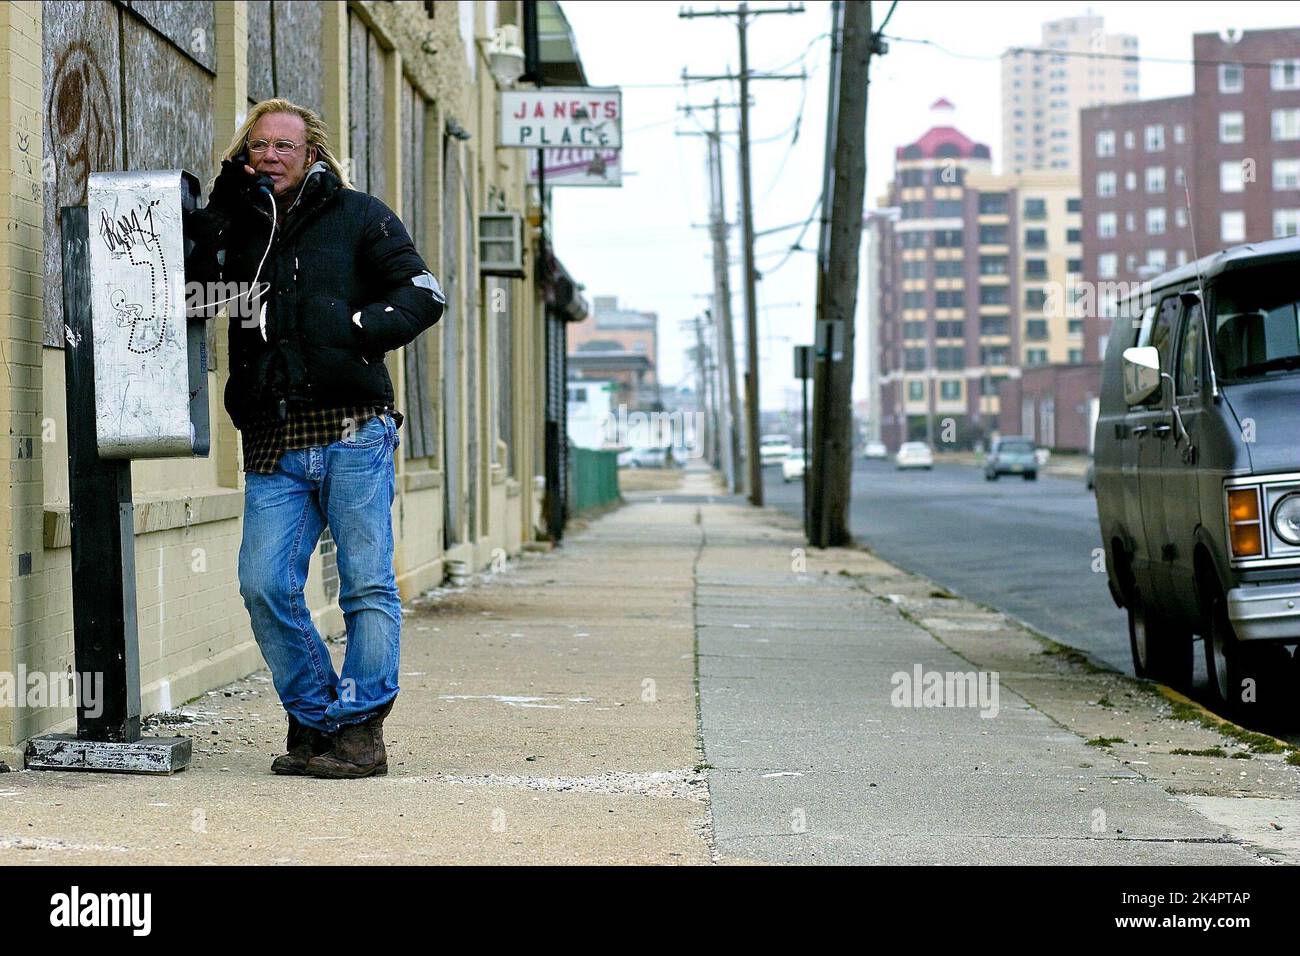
x=593, y=479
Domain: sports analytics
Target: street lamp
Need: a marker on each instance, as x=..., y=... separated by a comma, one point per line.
x=505, y=55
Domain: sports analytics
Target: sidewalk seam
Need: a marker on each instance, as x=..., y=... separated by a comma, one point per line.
x=709, y=840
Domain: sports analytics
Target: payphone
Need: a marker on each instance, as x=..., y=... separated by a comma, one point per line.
x=136, y=380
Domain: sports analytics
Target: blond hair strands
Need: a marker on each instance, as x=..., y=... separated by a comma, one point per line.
x=317, y=134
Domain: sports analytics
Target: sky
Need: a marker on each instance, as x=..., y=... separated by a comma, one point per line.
x=642, y=242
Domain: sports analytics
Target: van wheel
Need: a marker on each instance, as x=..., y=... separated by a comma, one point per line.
x=1160, y=651
x=1248, y=680
x=1221, y=658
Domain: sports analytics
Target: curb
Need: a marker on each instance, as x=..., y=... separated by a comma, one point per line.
x=1209, y=716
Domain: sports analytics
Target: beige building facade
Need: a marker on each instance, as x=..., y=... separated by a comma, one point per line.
x=406, y=91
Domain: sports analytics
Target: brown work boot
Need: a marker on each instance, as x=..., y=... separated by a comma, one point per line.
x=304, y=743
x=358, y=750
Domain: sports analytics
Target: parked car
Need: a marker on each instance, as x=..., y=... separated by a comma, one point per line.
x=875, y=449
x=645, y=458
x=1197, y=453
x=793, y=467
x=914, y=454
x=774, y=449
x=1012, y=456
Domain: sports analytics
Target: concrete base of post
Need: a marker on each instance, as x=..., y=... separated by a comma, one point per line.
x=157, y=755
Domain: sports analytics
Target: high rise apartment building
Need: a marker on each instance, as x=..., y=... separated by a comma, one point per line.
x=1077, y=65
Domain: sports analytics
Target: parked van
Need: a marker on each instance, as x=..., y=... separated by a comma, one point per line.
x=1197, y=468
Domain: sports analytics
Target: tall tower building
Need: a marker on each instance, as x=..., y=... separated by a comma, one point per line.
x=971, y=274
x=1043, y=92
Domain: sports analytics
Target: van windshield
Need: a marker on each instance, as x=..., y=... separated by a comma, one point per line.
x=1257, y=324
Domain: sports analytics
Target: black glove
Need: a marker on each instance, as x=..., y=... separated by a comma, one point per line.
x=235, y=187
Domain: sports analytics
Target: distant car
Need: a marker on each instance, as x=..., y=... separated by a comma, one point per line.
x=914, y=454
x=774, y=449
x=1012, y=456
x=645, y=458
x=793, y=466
x=876, y=449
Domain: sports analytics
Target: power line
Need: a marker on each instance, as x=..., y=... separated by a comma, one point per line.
x=1043, y=51
x=884, y=23
x=795, y=246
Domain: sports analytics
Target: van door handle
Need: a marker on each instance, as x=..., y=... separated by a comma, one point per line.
x=1162, y=430
x=1139, y=429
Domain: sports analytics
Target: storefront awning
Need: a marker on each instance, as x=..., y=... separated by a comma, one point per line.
x=561, y=65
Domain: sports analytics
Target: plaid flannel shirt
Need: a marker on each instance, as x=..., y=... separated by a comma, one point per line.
x=267, y=439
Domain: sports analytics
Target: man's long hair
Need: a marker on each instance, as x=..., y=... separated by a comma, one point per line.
x=317, y=134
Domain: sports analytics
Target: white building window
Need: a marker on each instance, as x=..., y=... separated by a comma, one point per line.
x=1106, y=225
x=1155, y=138
x=1286, y=174
x=1180, y=217
x=1105, y=184
x=1284, y=74
x=1180, y=134
x=1155, y=222
x=1232, y=227
x=1155, y=179
x=1130, y=180
x=1107, y=265
x=1130, y=222
x=1231, y=179
x=1181, y=258
x=1157, y=261
x=1232, y=127
x=1130, y=139
x=1286, y=124
x=1178, y=175
x=1231, y=77
x=1286, y=222
x=1105, y=142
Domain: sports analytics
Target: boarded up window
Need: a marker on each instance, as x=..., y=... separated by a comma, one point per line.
x=149, y=107
x=421, y=425
x=366, y=133
x=284, y=52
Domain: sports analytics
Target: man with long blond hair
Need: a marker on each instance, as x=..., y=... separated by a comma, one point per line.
x=329, y=281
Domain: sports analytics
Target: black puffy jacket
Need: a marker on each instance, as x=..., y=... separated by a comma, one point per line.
x=336, y=252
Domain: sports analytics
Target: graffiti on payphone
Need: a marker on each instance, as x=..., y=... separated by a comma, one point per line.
x=132, y=236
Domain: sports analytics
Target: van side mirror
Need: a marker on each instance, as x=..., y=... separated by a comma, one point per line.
x=1189, y=298
x=1141, y=373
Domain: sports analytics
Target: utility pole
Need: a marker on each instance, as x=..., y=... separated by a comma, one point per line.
x=722, y=306
x=704, y=439
x=832, y=463
x=727, y=407
x=743, y=15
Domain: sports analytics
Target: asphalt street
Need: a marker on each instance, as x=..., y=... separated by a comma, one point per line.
x=1024, y=547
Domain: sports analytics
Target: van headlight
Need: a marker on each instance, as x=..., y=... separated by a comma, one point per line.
x=1286, y=518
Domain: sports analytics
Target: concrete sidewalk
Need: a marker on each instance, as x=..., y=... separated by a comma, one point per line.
x=549, y=715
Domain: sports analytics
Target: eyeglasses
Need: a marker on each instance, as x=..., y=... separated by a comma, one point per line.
x=280, y=145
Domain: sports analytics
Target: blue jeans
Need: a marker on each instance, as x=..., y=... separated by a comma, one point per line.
x=348, y=485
